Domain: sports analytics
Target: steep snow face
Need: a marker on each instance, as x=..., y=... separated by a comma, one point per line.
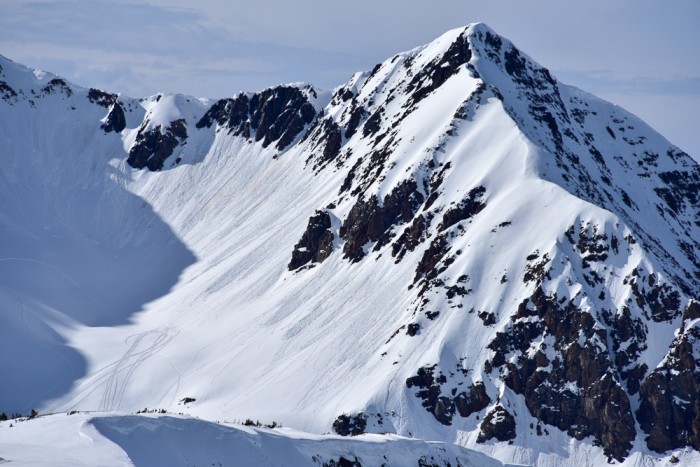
x=452, y=246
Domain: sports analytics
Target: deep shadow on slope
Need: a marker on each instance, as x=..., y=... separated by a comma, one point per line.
x=72, y=282
x=76, y=249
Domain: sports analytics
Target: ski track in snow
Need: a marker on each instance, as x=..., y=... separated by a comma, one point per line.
x=113, y=379
x=124, y=368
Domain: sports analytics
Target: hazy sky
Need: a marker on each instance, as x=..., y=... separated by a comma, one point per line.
x=641, y=54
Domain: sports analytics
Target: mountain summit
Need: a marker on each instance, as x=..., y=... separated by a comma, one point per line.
x=454, y=246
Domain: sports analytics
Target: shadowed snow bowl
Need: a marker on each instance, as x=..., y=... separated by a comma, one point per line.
x=76, y=249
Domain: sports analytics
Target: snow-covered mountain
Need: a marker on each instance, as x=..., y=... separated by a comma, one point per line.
x=454, y=246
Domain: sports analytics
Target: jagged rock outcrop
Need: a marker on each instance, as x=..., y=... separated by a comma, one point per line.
x=8, y=94
x=443, y=405
x=55, y=86
x=437, y=72
x=350, y=425
x=275, y=115
x=411, y=237
x=369, y=222
x=154, y=146
x=101, y=98
x=328, y=142
x=115, y=120
x=578, y=390
x=343, y=462
x=316, y=244
x=470, y=206
x=669, y=409
x=498, y=424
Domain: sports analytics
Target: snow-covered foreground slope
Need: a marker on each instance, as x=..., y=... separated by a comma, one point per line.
x=451, y=247
x=166, y=440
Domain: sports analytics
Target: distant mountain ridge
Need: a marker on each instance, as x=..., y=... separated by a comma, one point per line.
x=453, y=246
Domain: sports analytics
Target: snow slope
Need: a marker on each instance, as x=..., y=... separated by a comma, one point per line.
x=447, y=243
x=172, y=440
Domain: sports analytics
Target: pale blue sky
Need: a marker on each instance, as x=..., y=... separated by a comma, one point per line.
x=641, y=54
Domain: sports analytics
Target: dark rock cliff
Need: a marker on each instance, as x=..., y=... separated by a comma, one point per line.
x=275, y=115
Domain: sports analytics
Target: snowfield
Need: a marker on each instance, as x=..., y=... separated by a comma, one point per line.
x=172, y=440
